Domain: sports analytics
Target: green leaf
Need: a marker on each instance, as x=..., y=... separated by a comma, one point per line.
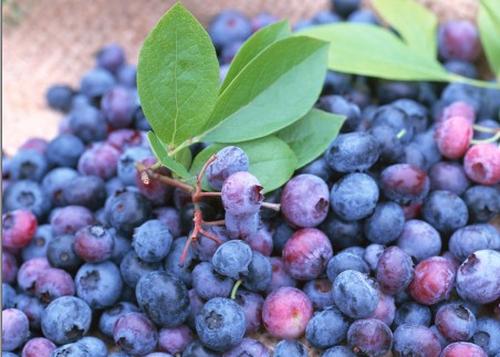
x=373, y=51
x=276, y=88
x=254, y=46
x=161, y=154
x=414, y=22
x=177, y=76
x=489, y=27
x=184, y=157
x=271, y=160
x=310, y=136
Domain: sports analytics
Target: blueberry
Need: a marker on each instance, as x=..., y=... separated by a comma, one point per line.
x=370, y=337
x=18, y=228
x=110, y=57
x=385, y=224
x=419, y=239
x=96, y=82
x=87, y=123
x=354, y=196
x=28, y=165
x=483, y=202
x=59, y=97
x=196, y=349
x=428, y=147
x=290, y=348
x=388, y=90
x=64, y=150
x=462, y=68
x=372, y=255
x=404, y=183
x=262, y=241
x=459, y=40
x=38, y=347
x=345, y=7
x=327, y=328
x=413, y=314
x=171, y=218
x=70, y=349
x=53, y=283
x=339, y=105
x=126, y=169
x=338, y=351
x=394, y=270
x=109, y=317
x=454, y=92
x=61, y=252
x=15, y=329
x=172, y=262
x=232, y=258
x=342, y=234
x=448, y=176
x=457, y=349
x=26, y=195
x=477, y=277
x=416, y=112
x=350, y=152
x=99, y=284
x=123, y=139
x=140, y=120
x=69, y=219
x=229, y=26
x=94, y=346
x=175, y=340
x=345, y=261
x=318, y=167
x=152, y=241
x=54, y=182
x=445, y=211
x=221, y=324
x=305, y=201
x=487, y=335
x=416, y=340
x=240, y=226
x=319, y=292
x=433, y=280
x=248, y=347
x=386, y=309
x=8, y=295
x=132, y=268
x=455, y=322
x=87, y=191
x=241, y=194
x=164, y=298
x=391, y=148
x=135, y=334
x=251, y=303
x=66, y=319
x=126, y=76
x=280, y=276
x=32, y=308
x=100, y=159
x=121, y=247
x=209, y=284
x=355, y=294
x=469, y=239
x=126, y=210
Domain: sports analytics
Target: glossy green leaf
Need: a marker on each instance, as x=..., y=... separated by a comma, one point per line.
x=177, y=76
x=184, y=157
x=310, y=136
x=275, y=89
x=489, y=27
x=413, y=21
x=161, y=154
x=254, y=46
x=271, y=160
x=373, y=51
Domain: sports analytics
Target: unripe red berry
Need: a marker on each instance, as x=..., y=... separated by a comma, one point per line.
x=482, y=164
x=453, y=136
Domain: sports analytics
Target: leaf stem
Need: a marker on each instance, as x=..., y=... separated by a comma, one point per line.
x=235, y=288
x=485, y=129
x=147, y=173
x=274, y=206
x=488, y=140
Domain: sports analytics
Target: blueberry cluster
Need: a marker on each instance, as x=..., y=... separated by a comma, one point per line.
x=384, y=243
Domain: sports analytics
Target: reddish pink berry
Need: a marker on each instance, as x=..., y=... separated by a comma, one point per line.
x=154, y=190
x=433, y=280
x=459, y=39
x=412, y=210
x=30, y=271
x=453, y=136
x=463, y=349
x=18, y=228
x=458, y=109
x=54, y=283
x=482, y=164
x=38, y=347
x=9, y=267
x=286, y=312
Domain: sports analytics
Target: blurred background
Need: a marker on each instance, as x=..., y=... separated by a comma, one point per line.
x=53, y=41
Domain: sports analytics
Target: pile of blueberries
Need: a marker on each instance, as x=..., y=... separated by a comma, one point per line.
x=382, y=244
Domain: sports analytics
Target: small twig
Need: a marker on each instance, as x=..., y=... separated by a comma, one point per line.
x=488, y=140
x=485, y=129
x=210, y=236
x=274, y=206
x=220, y=222
x=401, y=133
x=147, y=173
x=235, y=288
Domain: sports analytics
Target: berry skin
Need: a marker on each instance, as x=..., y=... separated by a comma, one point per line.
x=18, y=228
x=30, y=271
x=462, y=68
x=126, y=210
x=290, y=348
x=339, y=105
x=94, y=346
x=171, y=218
x=96, y=82
x=38, y=347
x=305, y=201
x=404, y=183
x=355, y=294
x=412, y=313
x=59, y=97
x=483, y=202
x=385, y=224
x=118, y=106
x=338, y=351
x=259, y=273
x=61, y=252
x=204, y=247
x=8, y=296
x=307, y=253
x=416, y=340
x=126, y=75
x=372, y=255
x=229, y=160
x=455, y=322
x=445, y=211
x=87, y=123
x=433, y=280
x=241, y=194
x=343, y=234
x=261, y=20
x=134, y=333
x=354, y=197
x=458, y=40
x=163, y=298
x=99, y=284
x=28, y=164
x=54, y=283
x=262, y=241
x=172, y=266
x=319, y=292
x=458, y=109
x=126, y=166
x=477, y=277
x=248, y=347
x=64, y=150
x=453, y=137
x=220, y=324
x=318, y=167
x=229, y=26
x=482, y=164
x=110, y=57
x=132, y=268
x=469, y=239
x=356, y=151
x=174, y=340
x=196, y=349
x=286, y=312
x=460, y=349
x=240, y=226
x=100, y=160
x=94, y=243
x=345, y=261
x=448, y=176
x=386, y=309
x=69, y=219
x=232, y=258
x=54, y=182
x=87, y=191
x=15, y=329
x=66, y=319
x=123, y=139
x=110, y=316
x=370, y=337
x=394, y=270
x=152, y=241
x=487, y=335
x=251, y=303
x=327, y=328
x=420, y=240
x=280, y=276
x=209, y=284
